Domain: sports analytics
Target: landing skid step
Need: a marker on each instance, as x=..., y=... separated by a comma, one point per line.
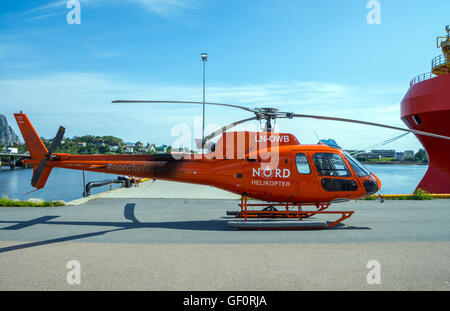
x=233, y=213
x=268, y=224
x=270, y=214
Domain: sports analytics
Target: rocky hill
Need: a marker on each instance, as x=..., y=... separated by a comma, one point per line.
x=7, y=135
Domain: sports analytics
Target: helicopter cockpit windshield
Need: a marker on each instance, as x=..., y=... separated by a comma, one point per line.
x=359, y=169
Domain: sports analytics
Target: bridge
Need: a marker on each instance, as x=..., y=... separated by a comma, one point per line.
x=13, y=159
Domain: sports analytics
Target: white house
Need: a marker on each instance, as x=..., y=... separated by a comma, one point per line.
x=409, y=154
x=113, y=148
x=129, y=149
x=161, y=149
x=400, y=156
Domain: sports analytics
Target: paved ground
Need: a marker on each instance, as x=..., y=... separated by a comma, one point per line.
x=185, y=244
x=161, y=189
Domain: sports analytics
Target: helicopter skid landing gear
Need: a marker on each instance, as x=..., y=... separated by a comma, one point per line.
x=291, y=219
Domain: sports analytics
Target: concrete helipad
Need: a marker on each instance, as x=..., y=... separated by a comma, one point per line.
x=160, y=189
x=126, y=242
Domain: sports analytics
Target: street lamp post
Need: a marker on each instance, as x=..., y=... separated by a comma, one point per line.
x=204, y=59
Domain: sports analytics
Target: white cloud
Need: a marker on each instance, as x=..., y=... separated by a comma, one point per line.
x=165, y=8
x=46, y=10
x=46, y=7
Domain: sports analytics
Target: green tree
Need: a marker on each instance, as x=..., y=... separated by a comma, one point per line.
x=421, y=156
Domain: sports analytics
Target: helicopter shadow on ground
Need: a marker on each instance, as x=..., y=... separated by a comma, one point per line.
x=207, y=225
x=346, y=227
x=133, y=223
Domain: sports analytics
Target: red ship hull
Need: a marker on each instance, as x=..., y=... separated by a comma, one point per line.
x=426, y=107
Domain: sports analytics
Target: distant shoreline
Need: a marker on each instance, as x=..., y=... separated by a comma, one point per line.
x=394, y=162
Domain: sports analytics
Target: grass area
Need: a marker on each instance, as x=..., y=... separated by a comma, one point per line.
x=419, y=194
x=5, y=202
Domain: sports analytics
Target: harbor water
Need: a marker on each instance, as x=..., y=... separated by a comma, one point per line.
x=67, y=185
x=62, y=184
x=398, y=178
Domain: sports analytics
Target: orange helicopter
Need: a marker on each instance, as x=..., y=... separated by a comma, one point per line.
x=267, y=166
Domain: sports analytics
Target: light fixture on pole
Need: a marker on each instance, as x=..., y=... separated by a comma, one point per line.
x=204, y=59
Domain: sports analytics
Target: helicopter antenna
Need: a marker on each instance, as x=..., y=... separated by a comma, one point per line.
x=317, y=136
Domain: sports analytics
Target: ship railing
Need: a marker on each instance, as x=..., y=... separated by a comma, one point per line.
x=422, y=77
x=439, y=61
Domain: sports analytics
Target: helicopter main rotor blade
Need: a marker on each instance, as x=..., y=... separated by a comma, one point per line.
x=266, y=113
x=201, y=143
x=227, y=127
x=57, y=140
x=370, y=123
x=38, y=172
x=182, y=102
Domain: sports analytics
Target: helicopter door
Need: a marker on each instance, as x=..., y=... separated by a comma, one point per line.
x=305, y=178
x=334, y=174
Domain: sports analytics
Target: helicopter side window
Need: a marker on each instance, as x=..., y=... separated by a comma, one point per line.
x=302, y=164
x=330, y=164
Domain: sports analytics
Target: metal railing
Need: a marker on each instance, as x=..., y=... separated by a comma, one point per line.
x=436, y=62
x=422, y=77
x=439, y=61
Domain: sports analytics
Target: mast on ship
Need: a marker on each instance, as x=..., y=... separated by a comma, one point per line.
x=441, y=64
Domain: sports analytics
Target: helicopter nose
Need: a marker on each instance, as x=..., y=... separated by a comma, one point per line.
x=372, y=185
x=378, y=182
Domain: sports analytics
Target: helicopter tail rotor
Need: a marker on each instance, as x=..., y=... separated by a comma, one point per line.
x=43, y=170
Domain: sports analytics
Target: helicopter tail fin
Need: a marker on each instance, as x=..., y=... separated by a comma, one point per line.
x=37, y=150
x=34, y=143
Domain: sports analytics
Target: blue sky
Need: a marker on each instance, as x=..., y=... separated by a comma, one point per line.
x=312, y=57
